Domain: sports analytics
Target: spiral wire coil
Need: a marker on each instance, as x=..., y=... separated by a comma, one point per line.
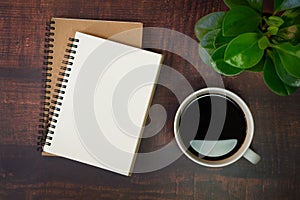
x=51, y=106
x=46, y=92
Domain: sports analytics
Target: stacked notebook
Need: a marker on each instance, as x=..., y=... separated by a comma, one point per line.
x=95, y=100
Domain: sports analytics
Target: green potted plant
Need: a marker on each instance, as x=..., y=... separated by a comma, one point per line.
x=245, y=38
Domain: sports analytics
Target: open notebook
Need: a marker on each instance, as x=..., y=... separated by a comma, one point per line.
x=102, y=105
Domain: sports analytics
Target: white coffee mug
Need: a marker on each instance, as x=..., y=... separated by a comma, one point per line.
x=243, y=151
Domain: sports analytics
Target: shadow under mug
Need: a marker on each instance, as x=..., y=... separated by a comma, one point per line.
x=243, y=151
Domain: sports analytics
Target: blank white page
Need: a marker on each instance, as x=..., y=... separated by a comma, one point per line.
x=105, y=103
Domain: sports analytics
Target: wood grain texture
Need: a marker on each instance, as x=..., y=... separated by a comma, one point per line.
x=25, y=174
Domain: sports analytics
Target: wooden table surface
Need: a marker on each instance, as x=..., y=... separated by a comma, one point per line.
x=25, y=174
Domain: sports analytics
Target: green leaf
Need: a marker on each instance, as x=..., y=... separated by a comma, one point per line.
x=283, y=74
x=243, y=51
x=208, y=23
x=291, y=17
x=208, y=40
x=273, y=30
x=274, y=82
x=274, y=21
x=256, y=4
x=263, y=42
x=221, y=66
x=221, y=40
x=205, y=54
x=290, y=57
x=240, y=19
x=291, y=34
x=259, y=67
x=280, y=5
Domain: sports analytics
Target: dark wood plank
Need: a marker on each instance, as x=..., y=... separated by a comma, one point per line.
x=25, y=174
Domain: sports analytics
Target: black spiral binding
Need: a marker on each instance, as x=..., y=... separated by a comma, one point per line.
x=59, y=91
x=47, y=69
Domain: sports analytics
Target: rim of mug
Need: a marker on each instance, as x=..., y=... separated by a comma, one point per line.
x=249, y=121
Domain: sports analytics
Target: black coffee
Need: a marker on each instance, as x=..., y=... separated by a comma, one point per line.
x=196, y=119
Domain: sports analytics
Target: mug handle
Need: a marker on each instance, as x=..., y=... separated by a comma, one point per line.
x=251, y=156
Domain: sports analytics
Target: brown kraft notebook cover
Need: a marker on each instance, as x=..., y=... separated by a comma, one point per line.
x=59, y=32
